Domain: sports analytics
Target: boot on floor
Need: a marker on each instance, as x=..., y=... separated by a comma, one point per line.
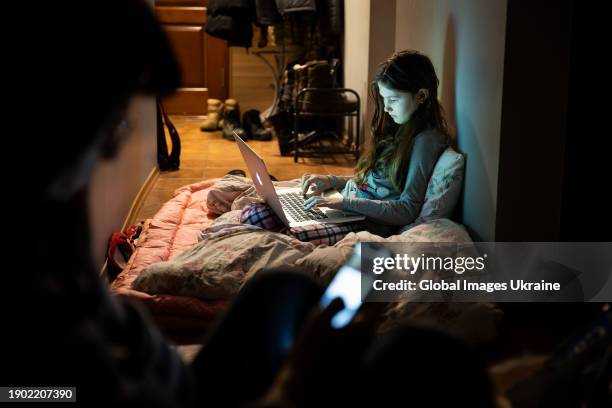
x=251, y=123
x=211, y=123
x=231, y=121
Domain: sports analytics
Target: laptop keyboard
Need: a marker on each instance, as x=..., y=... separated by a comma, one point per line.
x=293, y=203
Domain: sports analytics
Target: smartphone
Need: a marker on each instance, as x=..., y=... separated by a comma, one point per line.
x=346, y=285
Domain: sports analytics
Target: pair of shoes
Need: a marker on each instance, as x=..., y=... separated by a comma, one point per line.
x=251, y=123
x=231, y=121
x=211, y=123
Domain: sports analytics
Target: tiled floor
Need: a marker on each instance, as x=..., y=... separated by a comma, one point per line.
x=206, y=155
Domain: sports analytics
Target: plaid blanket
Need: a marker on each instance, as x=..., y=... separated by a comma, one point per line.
x=263, y=216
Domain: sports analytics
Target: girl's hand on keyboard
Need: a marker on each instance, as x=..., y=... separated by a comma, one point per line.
x=319, y=183
x=333, y=201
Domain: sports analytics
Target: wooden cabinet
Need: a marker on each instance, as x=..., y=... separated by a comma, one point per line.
x=204, y=60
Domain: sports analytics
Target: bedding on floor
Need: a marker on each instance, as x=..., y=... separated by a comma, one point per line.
x=174, y=228
x=191, y=262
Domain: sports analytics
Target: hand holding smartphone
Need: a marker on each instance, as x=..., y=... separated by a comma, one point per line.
x=346, y=285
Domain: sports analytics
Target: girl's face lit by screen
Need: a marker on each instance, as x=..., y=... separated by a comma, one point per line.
x=400, y=105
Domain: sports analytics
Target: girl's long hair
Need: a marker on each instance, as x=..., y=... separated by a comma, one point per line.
x=391, y=144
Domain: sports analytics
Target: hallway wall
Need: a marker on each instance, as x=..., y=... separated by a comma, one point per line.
x=251, y=81
x=356, y=52
x=466, y=42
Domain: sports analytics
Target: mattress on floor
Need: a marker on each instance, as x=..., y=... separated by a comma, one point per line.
x=171, y=231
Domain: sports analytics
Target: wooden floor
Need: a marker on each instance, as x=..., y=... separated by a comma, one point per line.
x=207, y=155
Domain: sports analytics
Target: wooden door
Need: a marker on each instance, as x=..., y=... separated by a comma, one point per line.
x=204, y=60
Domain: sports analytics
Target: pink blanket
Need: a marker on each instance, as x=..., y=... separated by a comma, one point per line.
x=171, y=231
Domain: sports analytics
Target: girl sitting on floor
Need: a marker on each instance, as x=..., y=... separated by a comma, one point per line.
x=409, y=134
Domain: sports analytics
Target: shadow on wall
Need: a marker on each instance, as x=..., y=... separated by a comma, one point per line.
x=449, y=70
x=475, y=183
x=476, y=199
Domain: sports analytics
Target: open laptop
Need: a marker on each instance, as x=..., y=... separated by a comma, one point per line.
x=288, y=203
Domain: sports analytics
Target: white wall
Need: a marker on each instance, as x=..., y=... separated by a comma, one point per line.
x=356, y=50
x=465, y=41
x=382, y=44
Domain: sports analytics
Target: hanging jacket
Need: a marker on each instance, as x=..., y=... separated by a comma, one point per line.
x=266, y=13
x=292, y=6
x=231, y=20
x=335, y=17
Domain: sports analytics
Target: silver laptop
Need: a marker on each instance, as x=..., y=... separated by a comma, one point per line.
x=288, y=203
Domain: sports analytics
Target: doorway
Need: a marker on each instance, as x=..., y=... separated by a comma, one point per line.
x=203, y=59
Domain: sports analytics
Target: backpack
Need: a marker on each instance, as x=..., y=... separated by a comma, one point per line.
x=165, y=160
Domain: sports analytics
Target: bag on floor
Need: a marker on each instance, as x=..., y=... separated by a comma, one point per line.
x=165, y=160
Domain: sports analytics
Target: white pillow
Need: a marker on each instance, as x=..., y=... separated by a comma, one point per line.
x=444, y=187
